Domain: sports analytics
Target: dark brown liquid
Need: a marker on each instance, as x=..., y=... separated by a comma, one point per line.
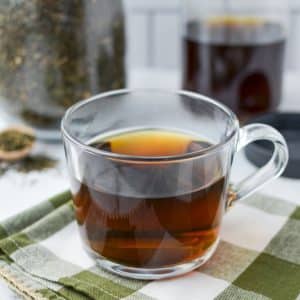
x=150, y=214
x=239, y=63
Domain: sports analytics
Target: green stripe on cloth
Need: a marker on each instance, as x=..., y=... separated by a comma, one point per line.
x=70, y=294
x=275, y=273
x=5, y=259
x=272, y=277
x=3, y=232
x=97, y=287
x=51, y=224
x=22, y=220
x=285, y=244
x=61, y=199
x=12, y=244
x=229, y=261
x=29, y=257
x=63, y=294
x=40, y=262
x=296, y=214
x=40, y=230
x=235, y=293
x=133, y=284
x=49, y=295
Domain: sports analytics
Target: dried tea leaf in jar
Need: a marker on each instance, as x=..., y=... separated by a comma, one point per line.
x=54, y=53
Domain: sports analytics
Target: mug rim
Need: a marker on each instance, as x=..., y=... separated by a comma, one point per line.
x=125, y=157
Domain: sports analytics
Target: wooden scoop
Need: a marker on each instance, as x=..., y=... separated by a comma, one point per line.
x=14, y=155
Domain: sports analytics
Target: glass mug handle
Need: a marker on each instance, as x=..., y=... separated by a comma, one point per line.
x=273, y=169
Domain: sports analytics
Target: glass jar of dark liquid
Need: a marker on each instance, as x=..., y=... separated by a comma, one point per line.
x=234, y=52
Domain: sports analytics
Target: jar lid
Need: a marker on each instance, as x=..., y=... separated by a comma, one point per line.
x=288, y=124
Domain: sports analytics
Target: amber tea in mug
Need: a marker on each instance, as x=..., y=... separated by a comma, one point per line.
x=142, y=222
x=150, y=178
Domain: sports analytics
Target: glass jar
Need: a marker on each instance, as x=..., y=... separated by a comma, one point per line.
x=54, y=53
x=234, y=52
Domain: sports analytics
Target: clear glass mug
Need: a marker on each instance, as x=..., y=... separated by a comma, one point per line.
x=153, y=217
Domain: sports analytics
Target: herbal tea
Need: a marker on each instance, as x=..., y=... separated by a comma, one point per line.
x=145, y=213
x=236, y=61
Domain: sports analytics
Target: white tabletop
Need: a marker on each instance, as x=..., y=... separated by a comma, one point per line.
x=19, y=192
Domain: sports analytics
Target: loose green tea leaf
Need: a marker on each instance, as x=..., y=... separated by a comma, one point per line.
x=35, y=163
x=29, y=164
x=14, y=140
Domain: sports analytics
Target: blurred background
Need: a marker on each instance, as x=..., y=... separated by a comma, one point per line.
x=155, y=29
x=53, y=54
x=243, y=53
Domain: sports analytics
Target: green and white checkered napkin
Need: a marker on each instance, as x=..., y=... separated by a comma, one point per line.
x=258, y=257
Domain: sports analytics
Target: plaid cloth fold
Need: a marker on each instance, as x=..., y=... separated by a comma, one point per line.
x=258, y=258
